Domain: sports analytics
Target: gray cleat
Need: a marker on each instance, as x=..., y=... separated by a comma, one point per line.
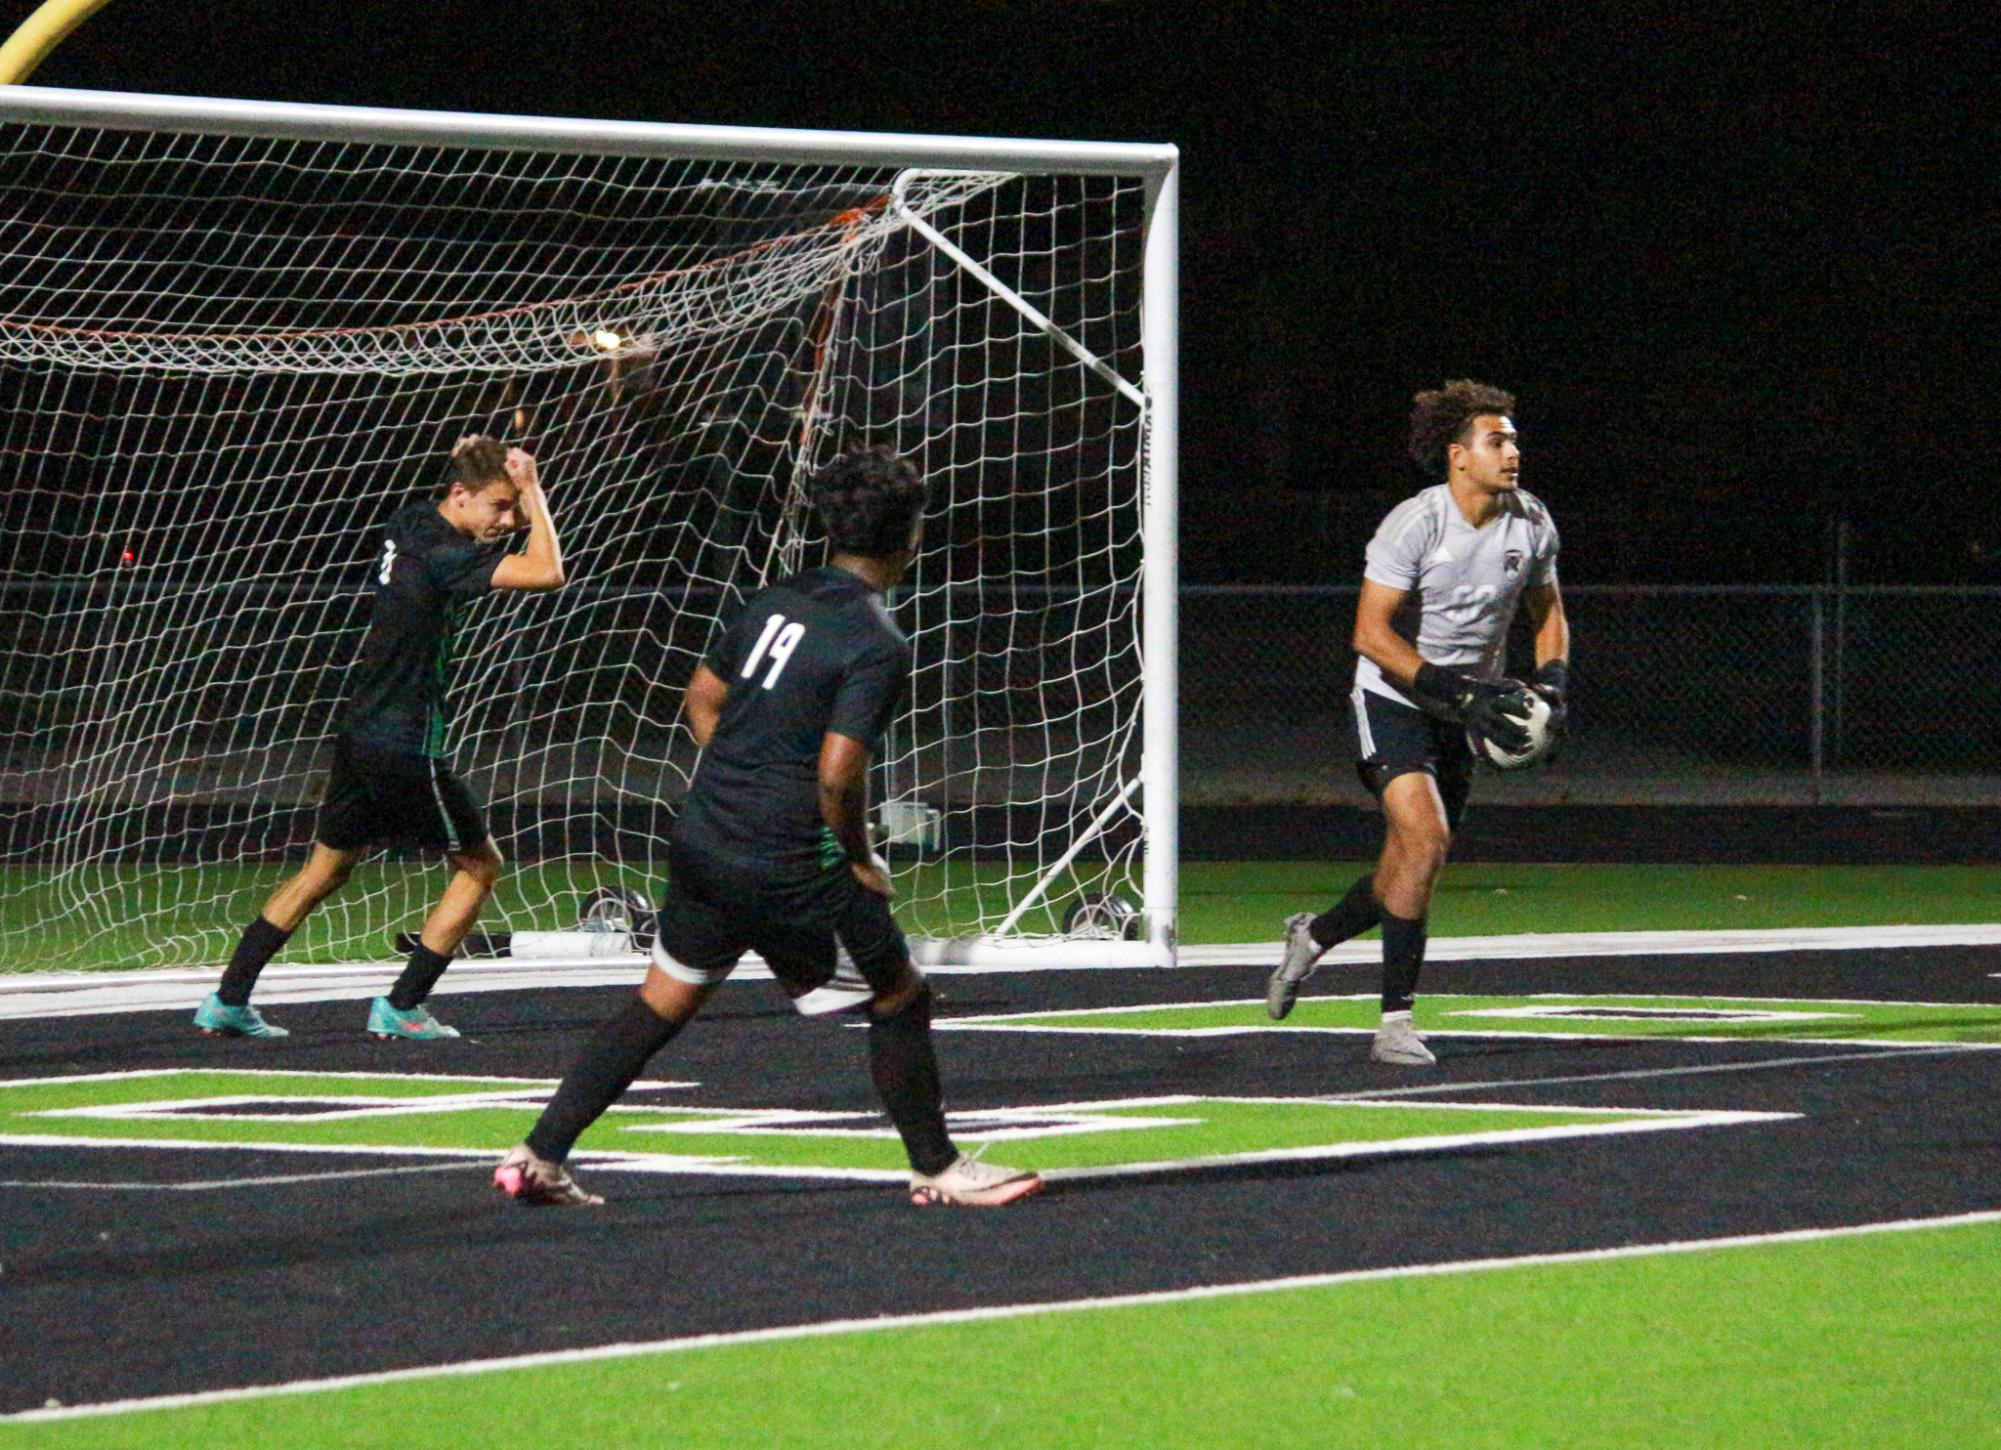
x=1396, y=1043
x=1302, y=954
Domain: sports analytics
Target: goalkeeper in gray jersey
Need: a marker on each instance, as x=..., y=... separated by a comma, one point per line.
x=1444, y=576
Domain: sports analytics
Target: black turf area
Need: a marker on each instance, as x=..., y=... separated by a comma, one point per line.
x=111, y=1295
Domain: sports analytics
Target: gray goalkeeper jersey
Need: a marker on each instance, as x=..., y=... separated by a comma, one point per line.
x=1462, y=584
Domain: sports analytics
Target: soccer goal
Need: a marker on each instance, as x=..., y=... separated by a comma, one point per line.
x=234, y=337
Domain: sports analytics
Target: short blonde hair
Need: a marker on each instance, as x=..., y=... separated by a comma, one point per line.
x=478, y=461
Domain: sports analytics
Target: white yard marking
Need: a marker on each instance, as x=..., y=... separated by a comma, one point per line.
x=1010, y=1124
x=425, y=1077
x=77, y=994
x=1585, y=1012
x=1545, y=1006
x=267, y=1181
x=1638, y=1074
x=829, y=1328
x=1430, y=1143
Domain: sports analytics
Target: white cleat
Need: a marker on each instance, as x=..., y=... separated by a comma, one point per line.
x=1302, y=954
x=970, y=1183
x=1396, y=1043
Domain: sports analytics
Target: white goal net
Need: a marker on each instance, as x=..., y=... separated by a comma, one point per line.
x=234, y=340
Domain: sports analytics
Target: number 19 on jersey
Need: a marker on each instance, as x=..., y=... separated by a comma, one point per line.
x=778, y=641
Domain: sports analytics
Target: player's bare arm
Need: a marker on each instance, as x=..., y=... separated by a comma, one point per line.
x=704, y=700
x=539, y=567
x=1376, y=637
x=1552, y=633
x=844, y=806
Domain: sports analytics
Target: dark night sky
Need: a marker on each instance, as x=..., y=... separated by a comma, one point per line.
x=1732, y=269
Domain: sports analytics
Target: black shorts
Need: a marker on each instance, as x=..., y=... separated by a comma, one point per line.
x=1393, y=739
x=388, y=798
x=717, y=908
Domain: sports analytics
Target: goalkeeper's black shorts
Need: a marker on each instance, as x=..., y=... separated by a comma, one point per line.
x=719, y=907
x=389, y=798
x=1393, y=739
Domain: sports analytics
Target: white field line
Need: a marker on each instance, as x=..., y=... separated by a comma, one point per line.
x=268, y=1181
x=1640, y=1074
x=1539, y=945
x=828, y=1328
x=424, y=1077
x=709, y=1165
x=594, y=1160
x=1456, y=1034
x=78, y=994
x=1552, y=998
x=1037, y=1021
x=1428, y=1143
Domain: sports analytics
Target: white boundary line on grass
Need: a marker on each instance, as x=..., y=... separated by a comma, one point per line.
x=1942, y=1049
x=80, y=994
x=267, y=1181
x=667, y=1162
x=832, y=1327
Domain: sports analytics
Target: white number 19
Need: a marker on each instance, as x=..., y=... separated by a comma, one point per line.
x=780, y=639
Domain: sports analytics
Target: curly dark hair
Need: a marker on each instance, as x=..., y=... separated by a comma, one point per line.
x=1439, y=416
x=868, y=499
x=477, y=460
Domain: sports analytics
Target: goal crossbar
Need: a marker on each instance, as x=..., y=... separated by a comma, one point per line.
x=116, y=110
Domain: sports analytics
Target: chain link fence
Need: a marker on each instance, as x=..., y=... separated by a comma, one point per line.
x=1784, y=695
x=1868, y=695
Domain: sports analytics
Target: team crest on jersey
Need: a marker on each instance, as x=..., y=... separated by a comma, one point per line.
x=1512, y=562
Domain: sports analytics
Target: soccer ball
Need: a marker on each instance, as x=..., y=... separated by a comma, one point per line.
x=1110, y=917
x=619, y=909
x=1540, y=738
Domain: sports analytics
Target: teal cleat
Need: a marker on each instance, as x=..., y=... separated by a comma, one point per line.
x=417, y=1024
x=218, y=1019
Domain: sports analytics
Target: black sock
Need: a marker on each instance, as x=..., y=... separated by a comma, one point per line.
x=1352, y=915
x=260, y=943
x=420, y=974
x=904, y=1067
x=616, y=1054
x=1403, y=958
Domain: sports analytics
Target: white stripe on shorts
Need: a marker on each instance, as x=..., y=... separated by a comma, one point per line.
x=681, y=972
x=451, y=831
x=1359, y=699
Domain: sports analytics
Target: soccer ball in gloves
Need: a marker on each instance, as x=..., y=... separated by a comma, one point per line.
x=1541, y=737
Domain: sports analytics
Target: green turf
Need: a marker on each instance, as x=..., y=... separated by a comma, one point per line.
x=90, y=920
x=1855, y=1341
x=1243, y=902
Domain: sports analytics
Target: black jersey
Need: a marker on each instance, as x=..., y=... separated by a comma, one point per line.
x=423, y=580
x=814, y=653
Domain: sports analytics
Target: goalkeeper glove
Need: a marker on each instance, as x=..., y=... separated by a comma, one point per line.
x=1552, y=681
x=1491, y=708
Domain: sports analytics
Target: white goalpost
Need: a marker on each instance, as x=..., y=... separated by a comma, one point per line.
x=236, y=336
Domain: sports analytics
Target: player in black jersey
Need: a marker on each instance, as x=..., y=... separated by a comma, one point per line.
x=392, y=781
x=772, y=849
